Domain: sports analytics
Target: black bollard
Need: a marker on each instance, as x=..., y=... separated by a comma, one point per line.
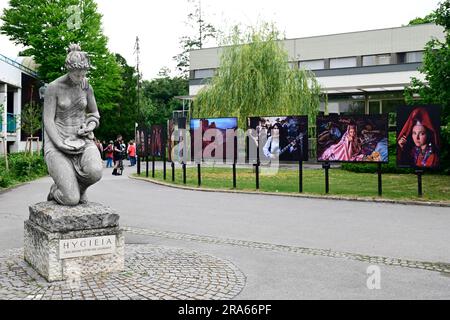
x=153, y=166
x=234, y=175
x=380, y=181
x=164, y=168
x=327, y=166
x=300, y=176
x=419, y=183
x=172, y=164
x=257, y=175
x=138, y=167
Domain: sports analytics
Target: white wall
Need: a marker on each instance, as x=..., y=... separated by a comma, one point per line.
x=401, y=39
x=10, y=75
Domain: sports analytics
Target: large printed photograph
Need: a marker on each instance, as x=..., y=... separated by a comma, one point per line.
x=171, y=128
x=213, y=139
x=284, y=138
x=141, y=141
x=176, y=133
x=352, y=138
x=418, y=136
x=157, y=141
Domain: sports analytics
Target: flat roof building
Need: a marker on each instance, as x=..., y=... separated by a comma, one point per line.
x=19, y=85
x=362, y=72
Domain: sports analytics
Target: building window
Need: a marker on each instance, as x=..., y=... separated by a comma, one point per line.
x=349, y=62
x=204, y=73
x=346, y=105
x=374, y=107
x=414, y=57
x=312, y=64
x=376, y=60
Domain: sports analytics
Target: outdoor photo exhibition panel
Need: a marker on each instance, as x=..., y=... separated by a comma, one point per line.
x=157, y=141
x=214, y=139
x=142, y=134
x=352, y=138
x=282, y=138
x=418, y=137
x=171, y=128
x=276, y=139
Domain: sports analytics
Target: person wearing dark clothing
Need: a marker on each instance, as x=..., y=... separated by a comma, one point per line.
x=118, y=156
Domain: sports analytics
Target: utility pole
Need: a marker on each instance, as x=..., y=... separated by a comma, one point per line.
x=200, y=23
x=137, y=52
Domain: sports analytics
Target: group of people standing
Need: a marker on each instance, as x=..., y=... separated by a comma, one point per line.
x=115, y=152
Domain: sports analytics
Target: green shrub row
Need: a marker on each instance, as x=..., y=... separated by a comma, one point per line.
x=22, y=167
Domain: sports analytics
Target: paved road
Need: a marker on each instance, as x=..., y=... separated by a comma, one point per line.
x=409, y=232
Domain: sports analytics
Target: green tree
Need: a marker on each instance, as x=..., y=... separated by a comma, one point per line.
x=203, y=32
x=121, y=119
x=254, y=78
x=161, y=92
x=31, y=121
x=46, y=28
x=427, y=19
x=436, y=87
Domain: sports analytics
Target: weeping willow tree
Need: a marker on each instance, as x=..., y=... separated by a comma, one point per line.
x=255, y=79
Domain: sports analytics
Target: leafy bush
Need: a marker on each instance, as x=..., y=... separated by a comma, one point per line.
x=22, y=167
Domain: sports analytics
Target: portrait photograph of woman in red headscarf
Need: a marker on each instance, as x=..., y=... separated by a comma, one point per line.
x=418, y=136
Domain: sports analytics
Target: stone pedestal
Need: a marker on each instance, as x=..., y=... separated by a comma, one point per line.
x=64, y=243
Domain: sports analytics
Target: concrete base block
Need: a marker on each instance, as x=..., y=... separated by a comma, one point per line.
x=71, y=254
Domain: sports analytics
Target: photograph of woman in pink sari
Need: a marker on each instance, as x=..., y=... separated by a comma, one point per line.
x=347, y=149
x=352, y=138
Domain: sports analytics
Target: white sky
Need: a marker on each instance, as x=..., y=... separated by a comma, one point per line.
x=160, y=24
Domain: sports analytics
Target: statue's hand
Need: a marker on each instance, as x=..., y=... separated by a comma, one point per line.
x=86, y=131
x=83, y=131
x=70, y=149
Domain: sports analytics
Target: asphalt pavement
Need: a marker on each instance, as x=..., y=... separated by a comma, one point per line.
x=262, y=234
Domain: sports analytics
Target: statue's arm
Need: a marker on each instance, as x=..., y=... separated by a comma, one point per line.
x=49, y=116
x=93, y=120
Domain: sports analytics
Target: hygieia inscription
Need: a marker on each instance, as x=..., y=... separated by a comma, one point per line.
x=84, y=247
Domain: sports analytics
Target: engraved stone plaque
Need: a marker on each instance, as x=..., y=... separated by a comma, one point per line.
x=85, y=247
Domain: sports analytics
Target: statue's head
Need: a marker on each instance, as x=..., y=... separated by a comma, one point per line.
x=77, y=63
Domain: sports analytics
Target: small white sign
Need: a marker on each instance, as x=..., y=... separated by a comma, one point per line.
x=85, y=247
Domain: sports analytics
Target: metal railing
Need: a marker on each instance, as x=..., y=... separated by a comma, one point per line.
x=18, y=65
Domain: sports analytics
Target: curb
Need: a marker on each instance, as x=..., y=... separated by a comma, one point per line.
x=6, y=190
x=294, y=195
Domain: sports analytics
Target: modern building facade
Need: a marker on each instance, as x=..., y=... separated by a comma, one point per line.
x=19, y=85
x=362, y=72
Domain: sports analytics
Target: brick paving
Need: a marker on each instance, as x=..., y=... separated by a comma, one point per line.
x=405, y=263
x=151, y=273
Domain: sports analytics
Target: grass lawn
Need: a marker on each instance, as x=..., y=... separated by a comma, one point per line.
x=343, y=183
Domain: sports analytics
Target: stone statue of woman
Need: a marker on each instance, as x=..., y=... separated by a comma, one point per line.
x=70, y=117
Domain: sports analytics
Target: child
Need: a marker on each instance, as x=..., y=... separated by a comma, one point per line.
x=109, y=155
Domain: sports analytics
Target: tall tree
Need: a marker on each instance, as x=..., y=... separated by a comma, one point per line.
x=31, y=122
x=46, y=28
x=203, y=32
x=436, y=87
x=427, y=19
x=162, y=92
x=254, y=78
x=122, y=119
